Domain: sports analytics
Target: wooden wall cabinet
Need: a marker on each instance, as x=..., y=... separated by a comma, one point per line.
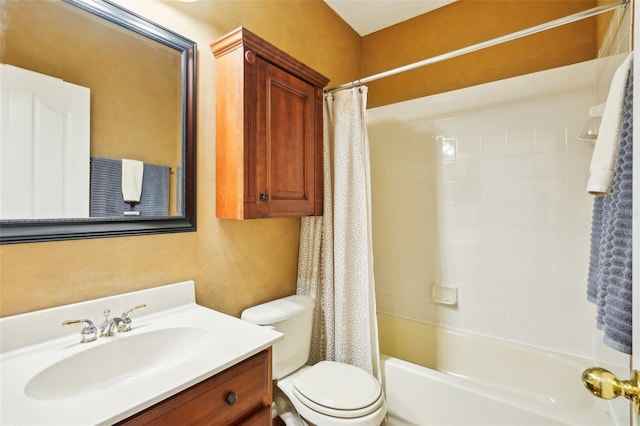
x=240, y=395
x=268, y=131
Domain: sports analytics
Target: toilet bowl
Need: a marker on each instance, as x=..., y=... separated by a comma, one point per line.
x=328, y=393
x=332, y=395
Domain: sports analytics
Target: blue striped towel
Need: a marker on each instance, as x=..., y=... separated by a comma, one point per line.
x=610, y=279
x=106, y=190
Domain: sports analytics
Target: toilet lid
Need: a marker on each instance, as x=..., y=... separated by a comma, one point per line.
x=338, y=389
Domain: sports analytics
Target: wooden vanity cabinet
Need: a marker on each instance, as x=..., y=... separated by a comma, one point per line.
x=268, y=131
x=240, y=395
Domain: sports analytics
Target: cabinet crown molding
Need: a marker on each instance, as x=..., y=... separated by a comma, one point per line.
x=249, y=41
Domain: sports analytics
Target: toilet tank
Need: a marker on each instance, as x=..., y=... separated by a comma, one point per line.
x=292, y=316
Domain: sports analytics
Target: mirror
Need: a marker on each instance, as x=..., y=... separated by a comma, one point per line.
x=142, y=83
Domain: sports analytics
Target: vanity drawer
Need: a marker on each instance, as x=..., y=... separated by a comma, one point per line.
x=261, y=418
x=239, y=395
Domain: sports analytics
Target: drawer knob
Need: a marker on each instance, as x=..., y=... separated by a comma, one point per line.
x=232, y=397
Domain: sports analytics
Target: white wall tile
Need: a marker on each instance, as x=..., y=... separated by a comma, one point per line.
x=448, y=171
x=467, y=213
x=494, y=168
x=548, y=138
x=548, y=164
x=519, y=166
x=518, y=236
x=468, y=142
x=492, y=213
x=519, y=190
x=493, y=140
x=510, y=217
x=424, y=311
x=467, y=234
x=549, y=200
x=446, y=213
x=519, y=213
x=446, y=192
x=492, y=190
x=447, y=149
x=520, y=140
x=445, y=274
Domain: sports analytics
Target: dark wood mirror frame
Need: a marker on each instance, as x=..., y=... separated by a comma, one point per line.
x=25, y=231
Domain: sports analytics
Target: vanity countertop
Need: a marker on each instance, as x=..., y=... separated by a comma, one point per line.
x=49, y=377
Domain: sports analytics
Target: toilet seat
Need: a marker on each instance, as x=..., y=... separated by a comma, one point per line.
x=338, y=390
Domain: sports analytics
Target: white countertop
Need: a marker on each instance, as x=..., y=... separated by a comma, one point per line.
x=32, y=342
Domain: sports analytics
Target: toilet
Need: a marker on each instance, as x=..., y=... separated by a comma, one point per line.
x=326, y=394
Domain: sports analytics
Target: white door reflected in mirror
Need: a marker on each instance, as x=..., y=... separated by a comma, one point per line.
x=44, y=146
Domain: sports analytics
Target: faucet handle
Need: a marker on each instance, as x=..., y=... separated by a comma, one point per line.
x=106, y=328
x=126, y=321
x=89, y=332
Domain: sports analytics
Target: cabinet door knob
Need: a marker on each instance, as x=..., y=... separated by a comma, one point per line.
x=250, y=57
x=232, y=397
x=264, y=197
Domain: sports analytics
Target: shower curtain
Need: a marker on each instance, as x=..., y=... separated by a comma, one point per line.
x=335, y=264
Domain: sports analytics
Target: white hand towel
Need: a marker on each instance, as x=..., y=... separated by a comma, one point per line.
x=132, y=180
x=603, y=160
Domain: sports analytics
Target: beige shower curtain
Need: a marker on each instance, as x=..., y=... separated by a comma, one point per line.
x=335, y=264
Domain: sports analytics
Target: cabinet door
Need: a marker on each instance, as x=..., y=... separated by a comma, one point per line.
x=285, y=144
x=207, y=403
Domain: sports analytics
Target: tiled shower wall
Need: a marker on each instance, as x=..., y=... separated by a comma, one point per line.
x=483, y=190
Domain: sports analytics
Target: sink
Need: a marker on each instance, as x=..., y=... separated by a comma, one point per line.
x=49, y=378
x=118, y=361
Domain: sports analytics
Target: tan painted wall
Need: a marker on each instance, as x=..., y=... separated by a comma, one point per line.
x=467, y=22
x=235, y=264
x=407, y=339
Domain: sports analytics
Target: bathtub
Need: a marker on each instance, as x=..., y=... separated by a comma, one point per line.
x=476, y=380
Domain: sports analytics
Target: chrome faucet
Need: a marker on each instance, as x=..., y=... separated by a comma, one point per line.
x=109, y=325
x=89, y=332
x=126, y=321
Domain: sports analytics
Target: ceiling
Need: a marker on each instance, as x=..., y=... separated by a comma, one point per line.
x=368, y=16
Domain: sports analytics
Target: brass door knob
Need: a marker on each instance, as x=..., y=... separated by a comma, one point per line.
x=606, y=385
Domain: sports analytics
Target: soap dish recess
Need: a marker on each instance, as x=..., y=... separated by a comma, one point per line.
x=444, y=295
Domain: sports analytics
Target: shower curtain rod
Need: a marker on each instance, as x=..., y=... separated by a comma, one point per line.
x=489, y=43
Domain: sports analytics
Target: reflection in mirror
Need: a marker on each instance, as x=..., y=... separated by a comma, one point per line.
x=98, y=123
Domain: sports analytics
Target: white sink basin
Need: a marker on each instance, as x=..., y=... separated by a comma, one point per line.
x=118, y=360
